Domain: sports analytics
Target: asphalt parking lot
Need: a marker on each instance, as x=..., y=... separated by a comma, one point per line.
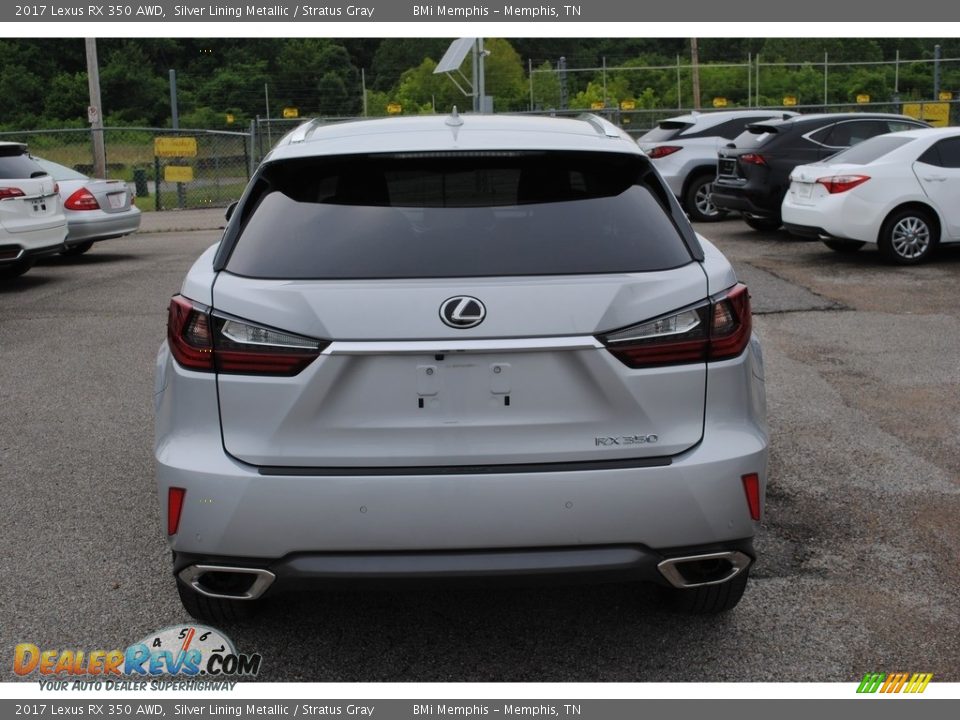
x=858, y=566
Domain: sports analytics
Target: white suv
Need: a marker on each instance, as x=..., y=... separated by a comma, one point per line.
x=32, y=223
x=684, y=150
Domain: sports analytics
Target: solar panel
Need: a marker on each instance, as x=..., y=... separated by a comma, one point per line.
x=454, y=55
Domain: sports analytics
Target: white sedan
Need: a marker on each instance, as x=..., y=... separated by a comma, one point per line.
x=900, y=191
x=95, y=209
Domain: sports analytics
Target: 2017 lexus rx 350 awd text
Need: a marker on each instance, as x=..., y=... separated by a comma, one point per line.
x=464, y=346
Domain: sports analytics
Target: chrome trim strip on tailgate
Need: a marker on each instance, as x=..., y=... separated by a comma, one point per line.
x=504, y=469
x=421, y=347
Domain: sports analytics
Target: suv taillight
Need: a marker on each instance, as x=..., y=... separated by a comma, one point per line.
x=753, y=159
x=10, y=192
x=208, y=342
x=662, y=151
x=717, y=329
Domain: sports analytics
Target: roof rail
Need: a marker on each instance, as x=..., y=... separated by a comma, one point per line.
x=602, y=126
x=299, y=133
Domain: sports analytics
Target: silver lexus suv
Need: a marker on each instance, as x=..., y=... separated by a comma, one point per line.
x=459, y=347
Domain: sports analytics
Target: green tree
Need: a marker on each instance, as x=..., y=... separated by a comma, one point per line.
x=546, y=87
x=318, y=77
x=504, y=76
x=395, y=56
x=67, y=96
x=421, y=91
x=130, y=90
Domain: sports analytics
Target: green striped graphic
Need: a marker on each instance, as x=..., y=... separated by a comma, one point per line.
x=871, y=682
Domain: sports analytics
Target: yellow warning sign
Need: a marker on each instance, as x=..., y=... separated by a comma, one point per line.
x=178, y=173
x=175, y=147
x=935, y=113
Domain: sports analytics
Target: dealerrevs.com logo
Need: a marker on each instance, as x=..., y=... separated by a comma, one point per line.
x=183, y=651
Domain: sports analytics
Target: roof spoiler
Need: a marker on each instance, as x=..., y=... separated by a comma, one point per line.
x=14, y=148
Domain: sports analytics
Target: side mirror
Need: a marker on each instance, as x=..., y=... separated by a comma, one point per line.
x=230, y=208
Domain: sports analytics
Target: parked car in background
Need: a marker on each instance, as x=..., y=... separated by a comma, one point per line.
x=899, y=191
x=684, y=150
x=403, y=360
x=32, y=223
x=753, y=172
x=95, y=209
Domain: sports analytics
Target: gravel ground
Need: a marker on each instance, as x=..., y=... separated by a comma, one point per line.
x=858, y=563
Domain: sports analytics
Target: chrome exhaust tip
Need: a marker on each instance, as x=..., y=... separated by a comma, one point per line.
x=227, y=583
x=708, y=569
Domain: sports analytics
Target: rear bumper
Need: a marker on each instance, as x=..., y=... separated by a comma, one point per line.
x=10, y=254
x=743, y=201
x=306, y=571
x=101, y=226
x=807, y=232
x=844, y=216
x=31, y=245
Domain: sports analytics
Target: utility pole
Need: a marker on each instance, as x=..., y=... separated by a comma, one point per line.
x=936, y=72
x=695, y=62
x=363, y=87
x=175, y=123
x=95, y=110
x=481, y=83
x=562, y=72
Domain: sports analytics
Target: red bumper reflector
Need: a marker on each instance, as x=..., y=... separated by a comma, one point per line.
x=175, y=497
x=751, y=486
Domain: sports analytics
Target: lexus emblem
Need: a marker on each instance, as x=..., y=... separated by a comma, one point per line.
x=462, y=312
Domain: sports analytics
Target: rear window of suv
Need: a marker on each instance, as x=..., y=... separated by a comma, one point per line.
x=666, y=130
x=415, y=215
x=755, y=136
x=18, y=167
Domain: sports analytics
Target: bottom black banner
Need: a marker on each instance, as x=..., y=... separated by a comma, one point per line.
x=874, y=708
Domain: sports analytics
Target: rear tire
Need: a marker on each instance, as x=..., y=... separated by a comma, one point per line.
x=215, y=610
x=697, y=201
x=908, y=237
x=14, y=270
x=844, y=247
x=709, y=599
x=763, y=224
x=78, y=249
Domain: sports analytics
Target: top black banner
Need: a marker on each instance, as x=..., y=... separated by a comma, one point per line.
x=290, y=11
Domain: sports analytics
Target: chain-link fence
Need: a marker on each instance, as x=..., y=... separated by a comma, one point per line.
x=638, y=121
x=168, y=168
x=206, y=168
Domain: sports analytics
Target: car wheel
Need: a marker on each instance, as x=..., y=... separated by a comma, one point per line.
x=908, y=237
x=844, y=246
x=763, y=223
x=78, y=249
x=215, y=610
x=13, y=270
x=709, y=599
x=697, y=200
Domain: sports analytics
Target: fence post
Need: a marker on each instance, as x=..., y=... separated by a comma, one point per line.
x=825, y=70
x=248, y=150
x=530, y=75
x=156, y=184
